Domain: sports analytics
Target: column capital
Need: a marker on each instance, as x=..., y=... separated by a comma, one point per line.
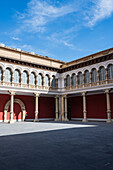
x=12, y=92
x=107, y=90
x=83, y=93
x=56, y=96
x=36, y=94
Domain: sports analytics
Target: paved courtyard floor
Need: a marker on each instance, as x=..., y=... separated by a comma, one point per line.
x=56, y=146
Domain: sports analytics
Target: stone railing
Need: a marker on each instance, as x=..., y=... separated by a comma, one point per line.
x=89, y=84
x=19, y=85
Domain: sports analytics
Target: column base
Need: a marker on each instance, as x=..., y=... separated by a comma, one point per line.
x=56, y=119
x=11, y=121
x=109, y=121
x=36, y=120
x=84, y=120
x=66, y=120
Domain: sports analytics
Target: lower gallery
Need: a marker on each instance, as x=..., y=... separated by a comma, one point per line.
x=35, y=87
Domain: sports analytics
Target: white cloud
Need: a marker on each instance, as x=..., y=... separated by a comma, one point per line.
x=100, y=10
x=15, y=38
x=39, y=13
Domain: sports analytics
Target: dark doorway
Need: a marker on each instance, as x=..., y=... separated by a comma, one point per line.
x=69, y=110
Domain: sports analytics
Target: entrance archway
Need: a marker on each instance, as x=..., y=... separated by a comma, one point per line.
x=18, y=101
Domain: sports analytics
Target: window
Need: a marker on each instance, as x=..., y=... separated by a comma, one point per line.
x=94, y=75
x=86, y=77
x=110, y=71
x=25, y=77
x=102, y=74
x=8, y=75
x=16, y=76
x=40, y=79
x=32, y=79
x=80, y=78
x=53, y=83
x=0, y=74
x=73, y=79
x=47, y=80
x=67, y=81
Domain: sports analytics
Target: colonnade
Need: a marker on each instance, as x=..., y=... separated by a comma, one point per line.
x=107, y=91
x=61, y=107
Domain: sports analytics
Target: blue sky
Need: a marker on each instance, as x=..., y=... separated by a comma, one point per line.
x=61, y=29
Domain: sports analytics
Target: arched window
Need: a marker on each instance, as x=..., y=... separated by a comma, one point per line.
x=110, y=71
x=93, y=75
x=80, y=78
x=8, y=75
x=73, y=79
x=1, y=73
x=16, y=76
x=53, y=83
x=86, y=77
x=67, y=81
x=102, y=74
x=40, y=79
x=47, y=80
x=32, y=79
x=25, y=77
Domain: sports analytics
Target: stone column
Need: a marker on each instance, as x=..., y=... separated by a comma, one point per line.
x=65, y=98
x=106, y=75
x=36, y=81
x=90, y=78
x=56, y=108
x=36, y=106
x=83, y=79
x=12, y=93
x=60, y=113
x=62, y=106
x=3, y=77
x=84, y=107
x=108, y=106
x=98, y=81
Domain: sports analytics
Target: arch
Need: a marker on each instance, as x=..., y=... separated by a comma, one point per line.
x=53, y=83
x=16, y=76
x=67, y=80
x=40, y=79
x=18, y=101
x=80, y=78
x=8, y=75
x=25, y=77
x=93, y=75
x=86, y=76
x=33, y=78
x=102, y=73
x=110, y=71
x=73, y=79
x=47, y=80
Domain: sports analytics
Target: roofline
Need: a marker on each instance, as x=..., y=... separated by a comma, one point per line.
x=91, y=55
x=31, y=54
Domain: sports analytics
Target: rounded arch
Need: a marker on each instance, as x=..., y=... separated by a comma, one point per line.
x=18, y=101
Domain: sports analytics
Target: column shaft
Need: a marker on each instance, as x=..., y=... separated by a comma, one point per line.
x=108, y=106
x=66, y=118
x=36, y=107
x=84, y=107
x=11, y=106
x=56, y=111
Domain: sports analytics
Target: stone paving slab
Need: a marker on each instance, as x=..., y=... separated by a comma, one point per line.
x=30, y=127
x=56, y=146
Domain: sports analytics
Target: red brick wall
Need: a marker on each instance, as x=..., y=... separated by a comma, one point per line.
x=96, y=106
x=76, y=106
x=46, y=107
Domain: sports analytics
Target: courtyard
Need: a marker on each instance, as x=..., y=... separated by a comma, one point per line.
x=56, y=146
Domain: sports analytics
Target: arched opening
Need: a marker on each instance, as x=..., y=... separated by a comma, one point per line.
x=19, y=110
